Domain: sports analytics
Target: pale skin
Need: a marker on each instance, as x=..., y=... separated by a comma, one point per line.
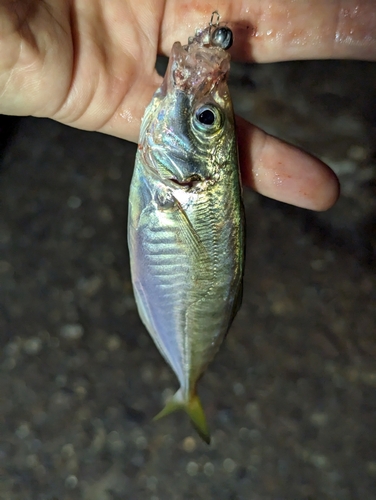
x=91, y=64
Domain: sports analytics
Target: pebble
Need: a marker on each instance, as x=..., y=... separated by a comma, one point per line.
x=74, y=202
x=12, y=348
x=141, y=442
x=115, y=443
x=73, y=331
x=253, y=411
x=71, y=482
x=67, y=451
x=32, y=461
x=62, y=399
x=319, y=461
x=238, y=389
x=281, y=306
x=152, y=483
x=138, y=460
x=317, y=264
x=319, y=419
x=32, y=346
x=189, y=444
x=39, y=418
x=61, y=380
x=208, y=469
x=9, y=364
x=113, y=343
x=192, y=468
x=357, y=153
x=40, y=471
x=23, y=431
x=229, y=465
x=99, y=440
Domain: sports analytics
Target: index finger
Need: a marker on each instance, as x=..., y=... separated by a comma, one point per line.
x=266, y=31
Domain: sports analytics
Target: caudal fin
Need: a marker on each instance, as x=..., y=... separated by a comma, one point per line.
x=194, y=410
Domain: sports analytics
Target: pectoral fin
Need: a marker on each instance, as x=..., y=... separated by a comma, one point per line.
x=188, y=233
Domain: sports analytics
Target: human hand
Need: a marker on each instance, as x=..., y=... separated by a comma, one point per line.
x=91, y=64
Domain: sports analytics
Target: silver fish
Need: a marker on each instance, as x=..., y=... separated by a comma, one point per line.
x=186, y=222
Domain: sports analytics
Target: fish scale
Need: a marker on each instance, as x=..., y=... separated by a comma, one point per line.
x=167, y=264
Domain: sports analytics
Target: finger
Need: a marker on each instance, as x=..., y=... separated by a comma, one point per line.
x=283, y=172
x=266, y=31
x=125, y=121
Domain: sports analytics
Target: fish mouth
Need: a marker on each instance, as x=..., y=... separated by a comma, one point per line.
x=189, y=183
x=164, y=168
x=173, y=168
x=196, y=67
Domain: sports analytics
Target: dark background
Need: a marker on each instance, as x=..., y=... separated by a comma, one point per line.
x=290, y=398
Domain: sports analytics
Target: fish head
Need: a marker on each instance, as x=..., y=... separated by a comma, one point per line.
x=189, y=126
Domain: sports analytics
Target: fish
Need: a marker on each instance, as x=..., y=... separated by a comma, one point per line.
x=186, y=216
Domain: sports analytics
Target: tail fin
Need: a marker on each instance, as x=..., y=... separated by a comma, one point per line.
x=194, y=410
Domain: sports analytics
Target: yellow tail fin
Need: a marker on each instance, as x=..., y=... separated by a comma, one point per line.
x=194, y=410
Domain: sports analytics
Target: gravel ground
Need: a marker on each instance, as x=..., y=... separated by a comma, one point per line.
x=291, y=396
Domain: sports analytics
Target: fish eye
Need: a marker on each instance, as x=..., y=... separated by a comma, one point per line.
x=222, y=37
x=208, y=118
